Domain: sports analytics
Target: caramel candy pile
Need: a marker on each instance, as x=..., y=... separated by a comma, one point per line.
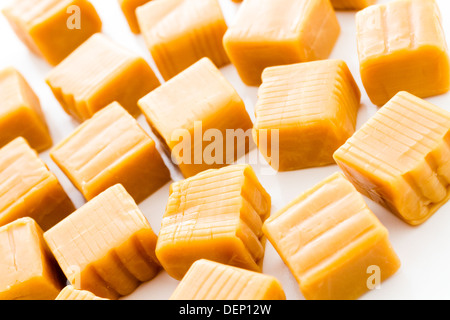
x=174, y=122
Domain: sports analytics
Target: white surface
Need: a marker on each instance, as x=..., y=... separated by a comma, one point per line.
x=424, y=250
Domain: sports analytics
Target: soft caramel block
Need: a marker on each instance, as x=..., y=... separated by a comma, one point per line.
x=28, y=188
x=209, y=280
x=352, y=4
x=200, y=118
x=305, y=112
x=180, y=32
x=129, y=10
x=335, y=247
x=52, y=29
x=401, y=46
x=29, y=270
x=215, y=215
x=269, y=33
x=20, y=112
x=70, y=293
x=107, y=246
x=111, y=148
x=400, y=158
x=98, y=73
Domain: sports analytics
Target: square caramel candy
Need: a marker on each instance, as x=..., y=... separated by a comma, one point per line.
x=28, y=188
x=402, y=47
x=269, y=33
x=107, y=246
x=70, y=293
x=29, y=270
x=334, y=246
x=52, y=29
x=129, y=10
x=200, y=118
x=111, y=148
x=215, y=215
x=305, y=112
x=98, y=73
x=20, y=112
x=352, y=4
x=209, y=280
x=180, y=32
x=400, y=158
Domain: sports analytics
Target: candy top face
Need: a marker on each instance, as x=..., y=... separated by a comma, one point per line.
x=398, y=25
x=399, y=136
x=102, y=224
x=99, y=72
x=164, y=20
x=282, y=19
x=70, y=293
x=209, y=280
x=98, y=143
x=32, y=12
x=84, y=71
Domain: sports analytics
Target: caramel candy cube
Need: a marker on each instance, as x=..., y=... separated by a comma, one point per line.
x=400, y=158
x=180, y=32
x=401, y=46
x=352, y=4
x=193, y=108
x=209, y=280
x=28, y=188
x=107, y=246
x=215, y=215
x=52, y=29
x=269, y=33
x=335, y=247
x=129, y=10
x=98, y=73
x=70, y=293
x=29, y=270
x=20, y=112
x=111, y=148
x=305, y=112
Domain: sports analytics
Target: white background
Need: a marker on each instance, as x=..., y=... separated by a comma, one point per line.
x=423, y=250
